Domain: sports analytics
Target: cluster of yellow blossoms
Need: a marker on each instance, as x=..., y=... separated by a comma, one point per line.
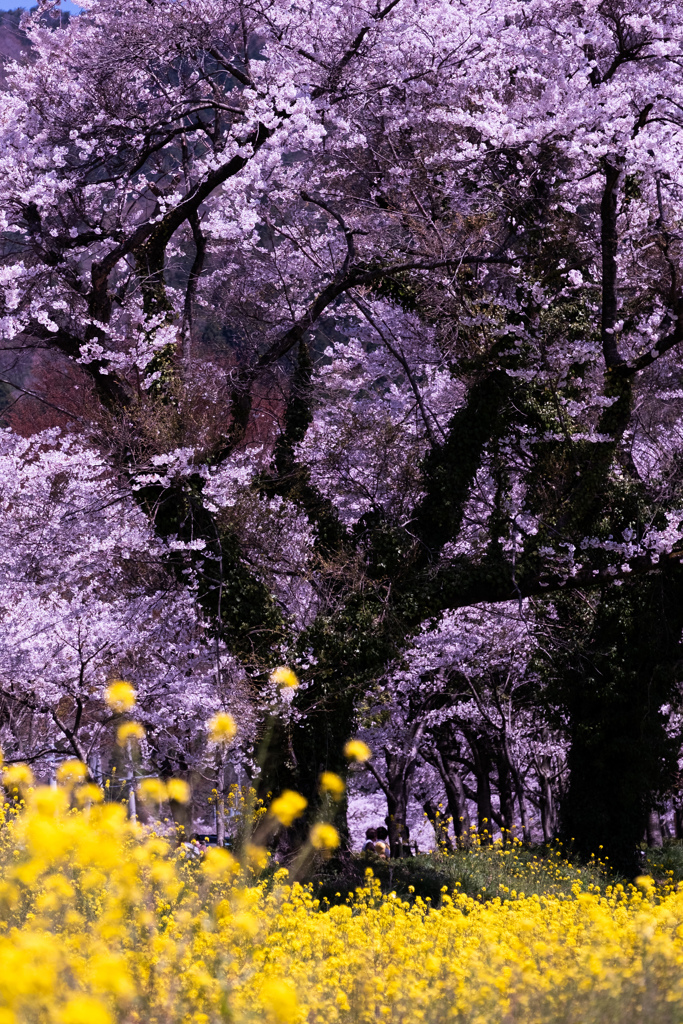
x=102, y=921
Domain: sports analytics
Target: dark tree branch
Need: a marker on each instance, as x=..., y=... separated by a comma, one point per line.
x=192, y=281
x=608, y=238
x=241, y=76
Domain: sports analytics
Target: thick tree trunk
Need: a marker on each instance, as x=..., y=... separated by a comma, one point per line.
x=678, y=821
x=523, y=820
x=547, y=800
x=457, y=799
x=484, y=802
x=518, y=784
x=620, y=754
x=481, y=757
x=506, y=795
x=654, y=829
x=484, y=807
x=397, y=803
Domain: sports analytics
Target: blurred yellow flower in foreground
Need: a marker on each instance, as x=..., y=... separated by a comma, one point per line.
x=48, y=801
x=283, y=676
x=332, y=784
x=222, y=728
x=84, y=1010
x=120, y=696
x=129, y=731
x=17, y=775
x=218, y=862
x=356, y=750
x=178, y=790
x=152, y=791
x=257, y=857
x=324, y=837
x=70, y=772
x=103, y=921
x=288, y=806
x=280, y=1001
x=89, y=794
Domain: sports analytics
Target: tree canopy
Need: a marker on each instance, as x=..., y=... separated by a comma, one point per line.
x=377, y=310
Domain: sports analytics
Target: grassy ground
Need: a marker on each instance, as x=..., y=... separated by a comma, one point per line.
x=666, y=865
x=484, y=872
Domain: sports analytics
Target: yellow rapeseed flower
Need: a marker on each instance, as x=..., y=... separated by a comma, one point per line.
x=104, y=922
x=89, y=794
x=332, y=784
x=70, y=772
x=120, y=696
x=129, y=731
x=218, y=862
x=288, y=806
x=152, y=791
x=356, y=750
x=284, y=677
x=257, y=856
x=48, y=801
x=222, y=728
x=178, y=790
x=85, y=1010
x=17, y=775
x=280, y=1001
x=324, y=837
x=246, y=924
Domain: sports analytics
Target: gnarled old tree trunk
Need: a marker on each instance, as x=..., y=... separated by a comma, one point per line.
x=482, y=765
x=399, y=769
x=400, y=766
x=546, y=799
x=654, y=829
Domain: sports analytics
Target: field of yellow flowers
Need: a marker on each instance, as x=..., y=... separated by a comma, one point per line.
x=103, y=921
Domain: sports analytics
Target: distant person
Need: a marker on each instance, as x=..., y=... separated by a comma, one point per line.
x=370, y=840
x=381, y=846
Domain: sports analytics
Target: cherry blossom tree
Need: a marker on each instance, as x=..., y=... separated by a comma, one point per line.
x=382, y=306
x=470, y=702
x=86, y=598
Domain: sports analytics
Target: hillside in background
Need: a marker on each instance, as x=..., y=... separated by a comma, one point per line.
x=12, y=40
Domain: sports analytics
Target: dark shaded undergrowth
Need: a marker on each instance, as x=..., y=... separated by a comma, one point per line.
x=505, y=871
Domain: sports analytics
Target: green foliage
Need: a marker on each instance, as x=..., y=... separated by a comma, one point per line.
x=164, y=362
x=665, y=865
x=399, y=288
x=568, y=318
